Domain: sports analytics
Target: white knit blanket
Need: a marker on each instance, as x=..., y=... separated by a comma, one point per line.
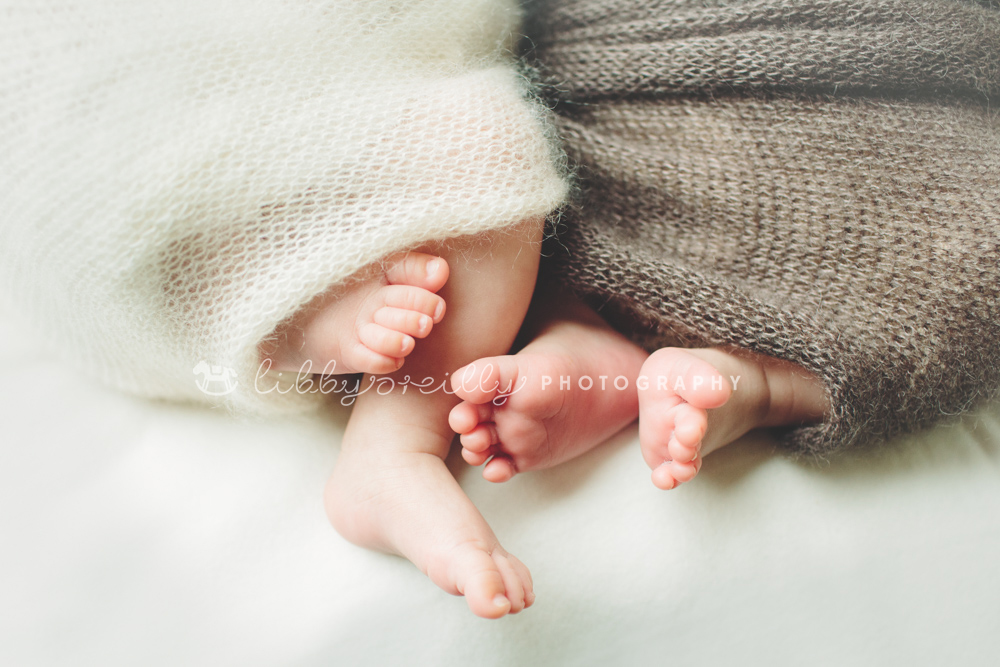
x=176, y=178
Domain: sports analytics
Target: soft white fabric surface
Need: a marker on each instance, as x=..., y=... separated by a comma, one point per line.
x=151, y=534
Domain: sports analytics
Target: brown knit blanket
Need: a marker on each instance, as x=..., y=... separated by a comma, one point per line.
x=816, y=181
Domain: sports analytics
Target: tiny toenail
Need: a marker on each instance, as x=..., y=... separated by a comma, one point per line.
x=439, y=311
x=499, y=600
x=425, y=324
x=433, y=266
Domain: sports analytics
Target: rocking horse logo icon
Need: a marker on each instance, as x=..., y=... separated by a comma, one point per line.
x=215, y=380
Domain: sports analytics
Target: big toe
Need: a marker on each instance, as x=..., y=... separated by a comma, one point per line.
x=482, y=584
x=486, y=379
x=677, y=371
x=417, y=269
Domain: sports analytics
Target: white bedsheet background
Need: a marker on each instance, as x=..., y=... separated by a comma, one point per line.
x=149, y=534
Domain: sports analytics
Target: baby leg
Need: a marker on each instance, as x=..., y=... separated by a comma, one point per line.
x=391, y=490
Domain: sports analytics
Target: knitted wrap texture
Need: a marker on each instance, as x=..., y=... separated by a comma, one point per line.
x=815, y=181
x=177, y=178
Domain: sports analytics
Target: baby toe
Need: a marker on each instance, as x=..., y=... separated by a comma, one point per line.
x=415, y=299
x=683, y=472
x=690, y=424
x=476, y=459
x=418, y=270
x=385, y=341
x=466, y=416
x=499, y=469
x=480, y=438
x=409, y=322
x=513, y=586
x=485, y=379
x=682, y=453
x=656, y=428
x=663, y=478
x=525, y=575
x=483, y=586
x=361, y=359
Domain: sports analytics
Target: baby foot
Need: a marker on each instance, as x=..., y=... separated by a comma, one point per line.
x=391, y=489
x=691, y=402
x=408, y=503
x=368, y=326
x=568, y=390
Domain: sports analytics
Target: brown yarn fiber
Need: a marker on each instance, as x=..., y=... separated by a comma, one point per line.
x=815, y=181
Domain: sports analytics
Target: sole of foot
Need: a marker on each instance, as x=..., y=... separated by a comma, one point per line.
x=693, y=402
x=568, y=390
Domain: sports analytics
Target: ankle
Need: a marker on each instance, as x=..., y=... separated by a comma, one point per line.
x=793, y=395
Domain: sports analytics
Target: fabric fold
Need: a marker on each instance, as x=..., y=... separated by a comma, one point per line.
x=177, y=179
x=856, y=234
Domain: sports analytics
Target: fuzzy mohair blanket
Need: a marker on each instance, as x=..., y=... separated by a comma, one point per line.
x=818, y=181
x=177, y=178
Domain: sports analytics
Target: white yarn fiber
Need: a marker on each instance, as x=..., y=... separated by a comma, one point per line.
x=177, y=178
